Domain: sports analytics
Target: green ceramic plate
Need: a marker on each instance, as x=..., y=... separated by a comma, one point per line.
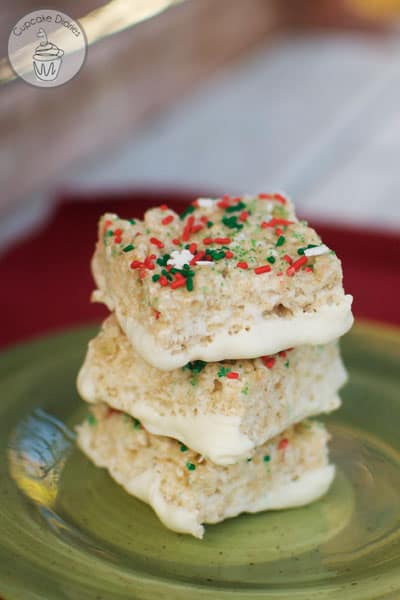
x=67, y=531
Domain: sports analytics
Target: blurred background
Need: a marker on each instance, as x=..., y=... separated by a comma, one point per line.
x=207, y=96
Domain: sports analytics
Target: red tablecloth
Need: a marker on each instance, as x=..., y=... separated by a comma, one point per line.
x=46, y=281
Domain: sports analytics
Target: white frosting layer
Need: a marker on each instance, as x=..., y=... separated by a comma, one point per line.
x=266, y=336
x=308, y=488
x=218, y=437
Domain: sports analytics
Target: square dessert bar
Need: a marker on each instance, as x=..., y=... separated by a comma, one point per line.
x=229, y=278
x=221, y=410
x=185, y=490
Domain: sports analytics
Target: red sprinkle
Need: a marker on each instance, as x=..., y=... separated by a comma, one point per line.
x=198, y=256
x=163, y=281
x=188, y=228
x=222, y=240
x=274, y=221
x=156, y=314
x=309, y=270
x=118, y=232
x=207, y=241
x=135, y=264
x=288, y=259
x=142, y=273
x=242, y=265
x=156, y=242
x=118, y=239
x=232, y=375
x=106, y=225
x=197, y=228
x=268, y=361
x=283, y=444
x=280, y=198
x=167, y=220
x=244, y=215
x=178, y=283
x=225, y=202
x=282, y=353
x=262, y=269
x=204, y=219
x=193, y=248
x=228, y=254
x=149, y=265
x=278, y=231
x=164, y=207
x=176, y=242
x=296, y=266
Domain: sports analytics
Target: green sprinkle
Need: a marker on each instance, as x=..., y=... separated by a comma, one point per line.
x=223, y=372
x=249, y=459
x=109, y=233
x=132, y=221
x=167, y=274
x=183, y=448
x=232, y=222
x=191, y=466
x=245, y=390
x=281, y=241
x=195, y=366
x=287, y=364
x=128, y=248
x=235, y=207
x=300, y=251
x=209, y=224
x=267, y=458
x=186, y=212
x=163, y=260
x=136, y=424
x=189, y=284
x=271, y=259
x=91, y=419
x=155, y=277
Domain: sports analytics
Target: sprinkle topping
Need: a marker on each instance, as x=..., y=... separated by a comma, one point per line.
x=179, y=258
x=205, y=202
x=317, y=250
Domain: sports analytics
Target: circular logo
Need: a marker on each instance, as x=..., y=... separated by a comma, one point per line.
x=47, y=48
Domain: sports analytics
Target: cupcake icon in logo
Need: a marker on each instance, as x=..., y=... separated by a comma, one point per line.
x=47, y=58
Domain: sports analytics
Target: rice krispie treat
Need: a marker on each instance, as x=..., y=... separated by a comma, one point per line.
x=228, y=278
x=222, y=410
x=186, y=490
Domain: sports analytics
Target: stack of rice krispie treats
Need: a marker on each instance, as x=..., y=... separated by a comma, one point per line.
x=221, y=343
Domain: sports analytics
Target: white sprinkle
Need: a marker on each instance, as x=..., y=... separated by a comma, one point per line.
x=180, y=258
x=205, y=262
x=205, y=202
x=317, y=251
